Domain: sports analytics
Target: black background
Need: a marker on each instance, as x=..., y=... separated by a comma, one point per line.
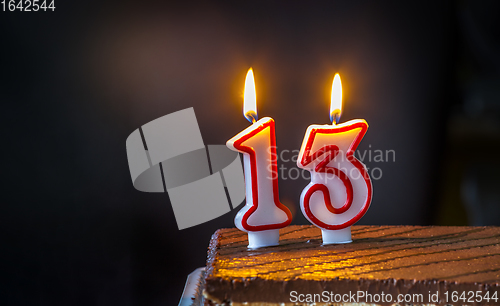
x=77, y=81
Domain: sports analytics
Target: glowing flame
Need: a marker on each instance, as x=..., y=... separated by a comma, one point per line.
x=250, y=99
x=336, y=100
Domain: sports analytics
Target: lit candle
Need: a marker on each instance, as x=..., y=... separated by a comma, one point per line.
x=263, y=215
x=340, y=190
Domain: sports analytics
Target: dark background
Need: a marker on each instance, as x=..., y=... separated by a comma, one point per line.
x=74, y=83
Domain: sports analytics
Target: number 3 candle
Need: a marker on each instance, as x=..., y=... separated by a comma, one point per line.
x=340, y=191
x=263, y=215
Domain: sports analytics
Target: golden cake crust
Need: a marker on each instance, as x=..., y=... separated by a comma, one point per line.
x=396, y=260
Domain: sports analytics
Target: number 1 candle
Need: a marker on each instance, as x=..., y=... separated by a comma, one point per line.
x=263, y=215
x=340, y=191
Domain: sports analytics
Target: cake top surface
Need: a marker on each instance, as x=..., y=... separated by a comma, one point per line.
x=451, y=254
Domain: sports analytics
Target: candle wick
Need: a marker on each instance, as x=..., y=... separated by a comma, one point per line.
x=335, y=118
x=251, y=116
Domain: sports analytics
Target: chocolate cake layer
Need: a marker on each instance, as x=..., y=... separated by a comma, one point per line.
x=438, y=263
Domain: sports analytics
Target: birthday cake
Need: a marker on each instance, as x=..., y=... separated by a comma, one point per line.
x=384, y=265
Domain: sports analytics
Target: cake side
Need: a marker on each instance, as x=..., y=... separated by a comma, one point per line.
x=423, y=262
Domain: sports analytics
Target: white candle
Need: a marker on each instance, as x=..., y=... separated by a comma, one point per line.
x=340, y=191
x=263, y=215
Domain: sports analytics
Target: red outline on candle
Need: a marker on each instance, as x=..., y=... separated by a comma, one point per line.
x=321, y=167
x=255, y=190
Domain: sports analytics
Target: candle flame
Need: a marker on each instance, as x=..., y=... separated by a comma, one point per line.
x=250, y=99
x=336, y=100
